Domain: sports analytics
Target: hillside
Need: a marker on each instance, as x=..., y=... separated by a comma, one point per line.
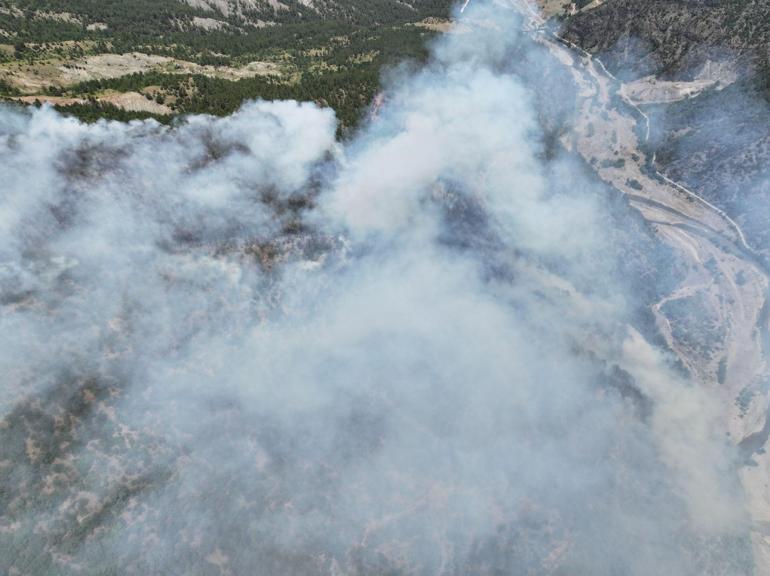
x=161, y=58
x=672, y=38
x=50, y=20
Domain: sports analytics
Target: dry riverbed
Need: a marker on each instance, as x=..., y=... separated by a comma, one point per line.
x=714, y=320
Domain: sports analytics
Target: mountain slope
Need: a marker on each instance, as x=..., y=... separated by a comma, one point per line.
x=672, y=38
x=139, y=58
x=49, y=20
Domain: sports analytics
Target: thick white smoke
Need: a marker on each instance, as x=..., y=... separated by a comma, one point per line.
x=237, y=346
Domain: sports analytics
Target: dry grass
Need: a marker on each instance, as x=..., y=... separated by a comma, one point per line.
x=34, y=78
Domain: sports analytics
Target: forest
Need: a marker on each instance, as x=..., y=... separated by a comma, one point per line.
x=335, y=55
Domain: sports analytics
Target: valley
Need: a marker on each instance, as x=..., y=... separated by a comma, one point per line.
x=718, y=328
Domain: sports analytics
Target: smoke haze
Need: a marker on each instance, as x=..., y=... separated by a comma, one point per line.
x=239, y=346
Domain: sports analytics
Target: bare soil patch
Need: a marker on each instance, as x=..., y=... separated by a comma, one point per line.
x=34, y=78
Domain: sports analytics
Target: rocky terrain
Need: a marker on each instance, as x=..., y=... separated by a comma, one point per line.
x=109, y=16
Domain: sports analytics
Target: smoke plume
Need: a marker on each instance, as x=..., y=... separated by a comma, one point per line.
x=239, y=346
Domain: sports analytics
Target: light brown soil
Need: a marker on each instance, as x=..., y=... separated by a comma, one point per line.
x=55, y=100
x=133, y=101
x=136, y=102
x=33, y=79
x=435, y=24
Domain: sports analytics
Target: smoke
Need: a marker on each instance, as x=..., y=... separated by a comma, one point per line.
x=237, y=346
